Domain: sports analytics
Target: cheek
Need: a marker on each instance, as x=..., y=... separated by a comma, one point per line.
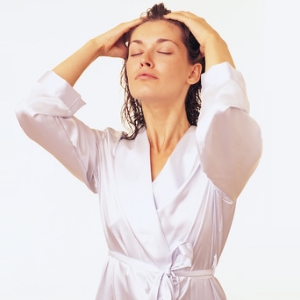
x=177, y=73
x=175, y=67
x=130, y=79
x=129, y=70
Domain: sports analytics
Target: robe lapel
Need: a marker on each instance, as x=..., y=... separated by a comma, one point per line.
x=134, y=189
x=180, y=166
x=177, y=191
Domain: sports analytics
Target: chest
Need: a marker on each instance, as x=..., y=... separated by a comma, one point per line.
x=158, y=161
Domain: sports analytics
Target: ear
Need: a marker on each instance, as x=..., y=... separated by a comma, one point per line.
x=195, y=73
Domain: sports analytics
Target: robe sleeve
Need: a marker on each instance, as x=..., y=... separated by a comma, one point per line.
x=229, y=140
x=47, y=117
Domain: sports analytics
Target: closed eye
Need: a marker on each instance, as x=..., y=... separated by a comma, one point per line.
x=162, y=52
x=136, y=54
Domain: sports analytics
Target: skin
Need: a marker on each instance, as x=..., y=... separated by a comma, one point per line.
x=213, y=47
x=159, y=75
x=159, y=80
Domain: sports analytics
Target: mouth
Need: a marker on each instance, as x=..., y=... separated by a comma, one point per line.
x=145, y=76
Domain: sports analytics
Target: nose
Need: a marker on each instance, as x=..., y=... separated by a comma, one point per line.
x=146, y=61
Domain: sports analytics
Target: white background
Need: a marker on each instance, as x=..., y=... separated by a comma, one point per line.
x=51, y=240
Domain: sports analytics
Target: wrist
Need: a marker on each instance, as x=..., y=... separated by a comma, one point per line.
x=97, y=45
x=216, y=51
x=213, y=40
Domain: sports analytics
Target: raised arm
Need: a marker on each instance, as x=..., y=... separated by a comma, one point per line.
x=229, y=140
x=107, y=44
x=47, y=115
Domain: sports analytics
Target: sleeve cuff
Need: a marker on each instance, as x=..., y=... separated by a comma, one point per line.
x=61, y=89
x=222, y=87
x=220, y=74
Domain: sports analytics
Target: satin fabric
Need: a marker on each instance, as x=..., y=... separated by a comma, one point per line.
x=164, y=237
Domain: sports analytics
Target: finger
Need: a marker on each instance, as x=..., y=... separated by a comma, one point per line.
x=116, y=33
x=179, y=15
x=131, y=24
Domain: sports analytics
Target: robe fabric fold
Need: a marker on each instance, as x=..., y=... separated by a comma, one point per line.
x=164, y=237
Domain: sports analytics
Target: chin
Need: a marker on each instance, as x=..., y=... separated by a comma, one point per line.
x=144, y=95
x=144, y=90
x=148, y=98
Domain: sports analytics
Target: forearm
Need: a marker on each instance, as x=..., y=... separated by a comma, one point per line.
x=107, y=44
x=47, y=118
x=216, y=51
x=73, y=67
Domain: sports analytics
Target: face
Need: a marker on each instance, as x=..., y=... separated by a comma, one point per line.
x=158, y=69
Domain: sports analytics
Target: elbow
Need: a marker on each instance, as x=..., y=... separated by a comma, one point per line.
x=231, y=151
x=246, y=165
x=28, y=119
x=23, y=115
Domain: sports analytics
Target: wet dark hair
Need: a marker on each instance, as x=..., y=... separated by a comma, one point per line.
x=132, y=114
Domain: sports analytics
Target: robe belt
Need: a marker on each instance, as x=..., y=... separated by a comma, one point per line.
x=167, y=283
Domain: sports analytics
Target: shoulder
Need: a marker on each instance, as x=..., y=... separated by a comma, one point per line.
x=108, y=139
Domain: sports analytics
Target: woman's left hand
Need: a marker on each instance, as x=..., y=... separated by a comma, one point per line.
x=212, y=46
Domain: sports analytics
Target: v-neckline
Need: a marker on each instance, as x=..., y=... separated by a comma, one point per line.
x=170, y=156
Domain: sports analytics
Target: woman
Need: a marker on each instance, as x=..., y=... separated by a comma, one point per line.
x=167, y=188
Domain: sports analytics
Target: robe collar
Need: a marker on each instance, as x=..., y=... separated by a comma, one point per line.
x=136, y=193
x=134, y=189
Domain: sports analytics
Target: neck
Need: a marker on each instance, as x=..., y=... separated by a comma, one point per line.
x=165, y=127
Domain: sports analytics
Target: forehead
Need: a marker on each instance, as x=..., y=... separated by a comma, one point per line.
x=157, y=29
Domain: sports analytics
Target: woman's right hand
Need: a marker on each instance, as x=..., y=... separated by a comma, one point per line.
x=111, y=43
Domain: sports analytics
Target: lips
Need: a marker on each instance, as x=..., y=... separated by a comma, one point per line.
x=145, y=75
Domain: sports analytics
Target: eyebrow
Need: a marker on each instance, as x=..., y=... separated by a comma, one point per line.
x=158, y=41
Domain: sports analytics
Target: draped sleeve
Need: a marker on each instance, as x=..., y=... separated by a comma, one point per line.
x=47, y=117
x=229, y=140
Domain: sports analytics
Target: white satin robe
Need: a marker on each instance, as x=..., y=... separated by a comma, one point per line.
x=164, y=237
